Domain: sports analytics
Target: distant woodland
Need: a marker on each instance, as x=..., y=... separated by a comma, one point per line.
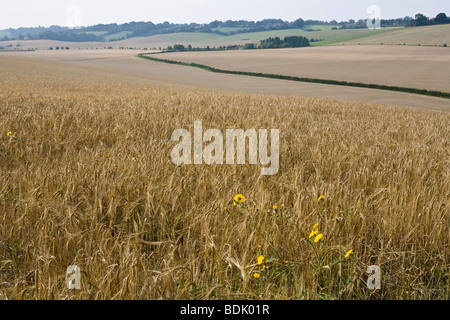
x=115, y=32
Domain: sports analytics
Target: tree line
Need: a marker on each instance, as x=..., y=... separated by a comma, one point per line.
x=269, y=43
x=422, y=20
x=276, y=42
x=103, y=32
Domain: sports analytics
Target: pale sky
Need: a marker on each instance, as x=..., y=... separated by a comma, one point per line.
x=32, y=13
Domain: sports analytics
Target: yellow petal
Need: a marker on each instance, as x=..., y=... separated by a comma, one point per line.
x=260, y=259
x=318, y=237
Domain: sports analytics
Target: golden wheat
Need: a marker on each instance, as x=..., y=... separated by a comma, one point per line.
x=86, y=179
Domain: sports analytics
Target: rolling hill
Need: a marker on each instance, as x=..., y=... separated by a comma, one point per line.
x=201, y=39
x=425, y=36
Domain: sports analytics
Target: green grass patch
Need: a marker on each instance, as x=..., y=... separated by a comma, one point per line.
x=213, y=39
x=117, y=36
x=338, y=36
x=97, y=33
x=320, y=27
x=229, y=29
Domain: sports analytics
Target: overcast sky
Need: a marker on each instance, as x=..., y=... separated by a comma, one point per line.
x=32, y=13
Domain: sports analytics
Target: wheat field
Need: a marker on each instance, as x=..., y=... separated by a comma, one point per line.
x=86, y=179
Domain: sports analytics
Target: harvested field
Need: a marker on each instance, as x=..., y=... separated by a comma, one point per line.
x=412, y=67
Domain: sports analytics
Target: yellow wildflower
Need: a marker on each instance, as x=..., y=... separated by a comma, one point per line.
x=315, y=231
x=261, y=259
x=275, y=207
x=348, y=253
x=9, y=133
x=239, y=198
x=318, y=237
x=256, y=275
x=321, y=198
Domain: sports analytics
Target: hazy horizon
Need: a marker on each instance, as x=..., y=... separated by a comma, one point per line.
x=45, y=13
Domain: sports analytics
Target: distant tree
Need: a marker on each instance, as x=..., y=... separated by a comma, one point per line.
x=299, y=23
x=441, y=18
x=421, y=20
x=248, y=46
x=179, y=47
x=287, y=42
x=214, y=24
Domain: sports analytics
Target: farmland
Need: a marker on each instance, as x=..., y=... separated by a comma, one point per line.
x=200, y=39
x=423, y=36
x=125, y=62
x=86, y=179
x=87, y=176
x=328, y=36
x=397, y=66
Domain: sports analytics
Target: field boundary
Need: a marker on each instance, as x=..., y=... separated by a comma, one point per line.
x=432, y=93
